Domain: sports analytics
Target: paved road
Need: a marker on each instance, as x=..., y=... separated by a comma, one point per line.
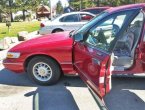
x=17, y=92
x=126, y=94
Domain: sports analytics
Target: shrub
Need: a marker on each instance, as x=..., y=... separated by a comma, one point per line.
x=18, y=17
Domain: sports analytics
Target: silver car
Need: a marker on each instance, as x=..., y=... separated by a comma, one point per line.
x=65, y=22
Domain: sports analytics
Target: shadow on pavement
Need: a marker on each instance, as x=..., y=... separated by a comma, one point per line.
x=55, y=97
x=52, y=98
x=126, y=94
x=9, y=78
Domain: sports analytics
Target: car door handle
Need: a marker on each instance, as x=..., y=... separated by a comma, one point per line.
x=96, y=61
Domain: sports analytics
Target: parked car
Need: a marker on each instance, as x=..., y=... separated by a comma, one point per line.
x=65, y=22
x=95, y=10
x=97, y=50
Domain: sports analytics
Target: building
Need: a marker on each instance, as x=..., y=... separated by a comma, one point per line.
x=43, y=11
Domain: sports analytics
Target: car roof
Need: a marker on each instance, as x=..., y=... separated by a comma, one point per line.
x=96, y=8
x=126, y=7
x=77, y=12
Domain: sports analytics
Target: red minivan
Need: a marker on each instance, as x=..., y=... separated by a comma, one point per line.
x=95, y=10
x=111, y=43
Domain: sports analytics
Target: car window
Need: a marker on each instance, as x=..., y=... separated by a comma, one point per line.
x=117, y=21
x=70, y=18
x=136, y=26
x=130, y=37
x=138, y=18
x=104, y=33
x=85, y=17
x=85, y=27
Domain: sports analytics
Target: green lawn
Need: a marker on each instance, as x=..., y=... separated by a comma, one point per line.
x=17, y=27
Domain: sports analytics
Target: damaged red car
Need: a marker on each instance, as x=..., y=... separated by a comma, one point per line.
x=111, y=43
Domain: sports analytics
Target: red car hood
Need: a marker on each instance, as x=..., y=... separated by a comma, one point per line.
x=43, y=40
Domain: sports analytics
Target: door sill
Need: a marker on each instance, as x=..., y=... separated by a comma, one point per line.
x=136, y=75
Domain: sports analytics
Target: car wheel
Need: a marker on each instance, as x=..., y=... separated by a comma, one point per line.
x=57, y=30
x=43, y=70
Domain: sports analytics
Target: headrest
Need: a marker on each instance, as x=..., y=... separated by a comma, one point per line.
x=138, y=23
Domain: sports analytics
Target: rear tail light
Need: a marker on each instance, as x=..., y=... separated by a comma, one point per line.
x=42, y=25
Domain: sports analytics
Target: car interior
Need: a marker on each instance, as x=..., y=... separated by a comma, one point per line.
x=124, y=50
x=103, y=38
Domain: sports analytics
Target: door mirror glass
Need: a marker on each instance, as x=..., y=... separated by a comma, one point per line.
x=78, y=37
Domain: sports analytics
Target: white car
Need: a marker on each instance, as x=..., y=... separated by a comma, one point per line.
x=65, y=22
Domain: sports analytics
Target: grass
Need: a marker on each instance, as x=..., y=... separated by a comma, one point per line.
x=17, y=27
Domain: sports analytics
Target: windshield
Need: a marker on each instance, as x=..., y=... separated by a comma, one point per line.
x=93, y=21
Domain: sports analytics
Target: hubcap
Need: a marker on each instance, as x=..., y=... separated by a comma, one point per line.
x=42, y=71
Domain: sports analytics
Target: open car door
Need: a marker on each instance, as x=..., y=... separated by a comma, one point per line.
x=93, y=55
x=93, y=67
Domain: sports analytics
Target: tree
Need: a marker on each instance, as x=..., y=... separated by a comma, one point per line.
x=10, y=5
x=84, y=4
x=6, y=7
x=59, y=8
x=24, y=5
x=2, y=4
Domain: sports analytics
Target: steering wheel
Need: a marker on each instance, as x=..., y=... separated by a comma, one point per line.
x=115, y=29
x=92, y=39
x=99, y=39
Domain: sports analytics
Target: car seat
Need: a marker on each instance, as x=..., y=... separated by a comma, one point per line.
x=125, y=47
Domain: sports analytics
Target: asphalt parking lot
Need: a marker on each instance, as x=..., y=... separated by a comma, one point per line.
x=17, y=92
x=126, y=94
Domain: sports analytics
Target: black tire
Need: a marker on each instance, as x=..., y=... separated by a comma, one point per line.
x=57, y=30
x=43, y=68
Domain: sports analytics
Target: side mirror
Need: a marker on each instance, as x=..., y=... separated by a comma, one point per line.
x=78, y=37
